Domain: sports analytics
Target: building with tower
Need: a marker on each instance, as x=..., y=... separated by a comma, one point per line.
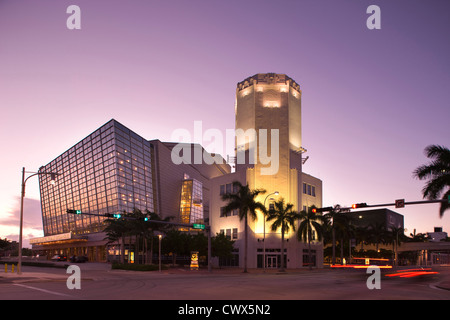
x=268, y=156
x=113, y=170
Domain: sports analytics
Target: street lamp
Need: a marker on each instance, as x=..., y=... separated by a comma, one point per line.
x=24, y=180
x=264, y=238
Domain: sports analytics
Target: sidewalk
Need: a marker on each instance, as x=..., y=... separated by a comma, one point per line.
x=31, y=277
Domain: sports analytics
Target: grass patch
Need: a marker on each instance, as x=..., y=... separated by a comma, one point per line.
x=137, y=267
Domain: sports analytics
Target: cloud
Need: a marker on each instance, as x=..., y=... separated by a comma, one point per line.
x=32, y=221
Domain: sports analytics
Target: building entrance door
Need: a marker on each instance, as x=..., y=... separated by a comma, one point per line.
x=271, y=262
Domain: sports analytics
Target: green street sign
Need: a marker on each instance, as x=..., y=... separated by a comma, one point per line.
x=198, y=226
x=73, y=211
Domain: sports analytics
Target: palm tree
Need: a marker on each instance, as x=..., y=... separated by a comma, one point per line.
x=362, y=234
x=283, y=217
x=153, y=227
x=310, y=220
x=117, y=229
x=419, y=237
x=139, y=229
x=329, y=224
x=342, y=228
x=396, y=236
x=378, y=233
x=244, y=200
x=437, y=172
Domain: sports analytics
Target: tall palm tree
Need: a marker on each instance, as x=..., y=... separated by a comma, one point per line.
x=330, y=224
x=244, y=199
x=284, y=216
x=342, y=228
x=395, y=236
x=437, y=172
x=310, y=220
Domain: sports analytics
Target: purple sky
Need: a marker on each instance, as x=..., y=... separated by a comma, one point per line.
x=372, y=99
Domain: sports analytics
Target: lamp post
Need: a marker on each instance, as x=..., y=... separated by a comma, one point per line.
x=264, y=237
x=159, y=237
x=24, y=180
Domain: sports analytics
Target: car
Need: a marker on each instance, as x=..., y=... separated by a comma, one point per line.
x=82, y=259
x=78, y=259
x=59, y=257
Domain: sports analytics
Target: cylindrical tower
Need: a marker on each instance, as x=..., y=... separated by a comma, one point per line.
x=268, y=135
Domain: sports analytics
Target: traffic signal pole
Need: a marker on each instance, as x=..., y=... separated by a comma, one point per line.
x=398, y=204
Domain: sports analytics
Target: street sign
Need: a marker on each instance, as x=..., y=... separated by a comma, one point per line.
x=73, y=211
x=198, y=226
x=400, y=203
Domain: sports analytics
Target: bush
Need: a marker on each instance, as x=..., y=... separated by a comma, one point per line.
x=137, y=267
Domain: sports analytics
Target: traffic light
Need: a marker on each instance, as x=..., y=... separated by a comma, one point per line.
x=315, y=210
x=146, y=218
x=113, y=215
x=359, y=205
x=73, y=211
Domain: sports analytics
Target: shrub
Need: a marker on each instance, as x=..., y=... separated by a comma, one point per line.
x=137, y=267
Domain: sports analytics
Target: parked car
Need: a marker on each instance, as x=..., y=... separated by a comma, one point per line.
x=78, y=259
x=81, y=259
x=59, y=257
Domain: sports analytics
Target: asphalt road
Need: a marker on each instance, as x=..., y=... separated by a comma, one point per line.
x=99, y=282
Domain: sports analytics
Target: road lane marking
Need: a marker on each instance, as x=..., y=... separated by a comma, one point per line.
x=43, y=290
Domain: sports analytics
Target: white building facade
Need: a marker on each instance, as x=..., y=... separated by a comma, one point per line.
x=269, y=106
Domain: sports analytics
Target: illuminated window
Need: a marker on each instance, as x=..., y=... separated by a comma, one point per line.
x=191, y=205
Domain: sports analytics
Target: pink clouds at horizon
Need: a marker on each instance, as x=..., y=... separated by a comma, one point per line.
x=371, y=100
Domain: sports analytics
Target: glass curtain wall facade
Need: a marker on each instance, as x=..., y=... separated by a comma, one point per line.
x=110, y=171
x=191, y=204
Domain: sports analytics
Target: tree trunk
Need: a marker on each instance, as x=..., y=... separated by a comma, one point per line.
x=309, y=249
x=246, y=244
x=333, y=257
x=282, y=250
x=122, y=250
x=151, y=250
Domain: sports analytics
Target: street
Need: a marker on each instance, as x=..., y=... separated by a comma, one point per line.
x=98, y=281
